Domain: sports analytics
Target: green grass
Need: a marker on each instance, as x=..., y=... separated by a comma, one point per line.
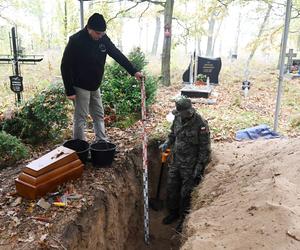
x=225, y=122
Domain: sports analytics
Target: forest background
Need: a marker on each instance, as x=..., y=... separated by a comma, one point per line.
x=214, y=28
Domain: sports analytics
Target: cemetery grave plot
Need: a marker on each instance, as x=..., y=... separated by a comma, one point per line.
x=295, y=66
x=209, y=67
x=292, y=65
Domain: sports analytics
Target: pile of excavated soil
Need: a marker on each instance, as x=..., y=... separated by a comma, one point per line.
x=249, y=199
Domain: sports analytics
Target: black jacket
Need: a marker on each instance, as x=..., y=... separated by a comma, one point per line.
x=84, y=59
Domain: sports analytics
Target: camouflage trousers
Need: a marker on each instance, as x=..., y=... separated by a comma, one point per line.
x=180, y=185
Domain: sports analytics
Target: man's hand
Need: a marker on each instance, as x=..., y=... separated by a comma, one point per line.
x=163, y=147
x=138, y=75
x=71, y=97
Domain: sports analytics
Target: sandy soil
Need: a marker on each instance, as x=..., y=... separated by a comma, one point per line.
x=249, y=199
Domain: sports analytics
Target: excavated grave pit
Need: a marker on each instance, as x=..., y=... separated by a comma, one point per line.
x=115, y=218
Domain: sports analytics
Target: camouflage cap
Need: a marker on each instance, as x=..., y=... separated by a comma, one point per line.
x=183, y=104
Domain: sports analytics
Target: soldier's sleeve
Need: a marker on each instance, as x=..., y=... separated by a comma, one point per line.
x=204, y=143
x=171, y=137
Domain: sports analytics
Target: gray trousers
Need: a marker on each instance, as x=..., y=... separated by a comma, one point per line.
x=88, y=102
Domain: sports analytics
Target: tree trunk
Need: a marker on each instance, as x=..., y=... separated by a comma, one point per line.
x=166, y=53
x=65, y=22
x=40, y=17
x=185, y=45
x=261, y=30
x=298, y=42
x=238, y=31
x=147, y=38
x=211, y=26
x=156, y=36
x=186, y=37
x=279, y=57
x=199, y=46
x=50, y=34
x=215, y=38
x=140, y=34
x=91, y=6
x=119, y=34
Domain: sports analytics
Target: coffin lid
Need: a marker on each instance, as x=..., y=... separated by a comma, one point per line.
x=50, y=161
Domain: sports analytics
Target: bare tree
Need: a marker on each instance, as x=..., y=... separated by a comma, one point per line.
x=168, y=6
x=215, y=37
x=166, y=53
x=211, y=26
x=156, y=35
x=261, y=30
x=238, y=31
x=65, y=21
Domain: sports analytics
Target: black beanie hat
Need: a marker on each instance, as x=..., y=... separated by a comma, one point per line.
x=96, y=22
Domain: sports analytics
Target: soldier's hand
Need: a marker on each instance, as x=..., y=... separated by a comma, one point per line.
x=163, y=147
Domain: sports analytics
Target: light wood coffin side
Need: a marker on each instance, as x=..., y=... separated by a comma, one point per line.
x=50, y=161
x=24, y=177
x=32, y=192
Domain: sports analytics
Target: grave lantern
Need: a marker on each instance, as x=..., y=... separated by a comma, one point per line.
x=246, y=87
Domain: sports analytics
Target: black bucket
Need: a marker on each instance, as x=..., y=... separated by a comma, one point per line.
x=81, y=147
x=102, y=153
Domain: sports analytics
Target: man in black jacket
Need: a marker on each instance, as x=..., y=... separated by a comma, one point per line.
x=82, y=70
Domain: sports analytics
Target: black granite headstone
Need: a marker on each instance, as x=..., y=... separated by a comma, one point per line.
x=210, y=67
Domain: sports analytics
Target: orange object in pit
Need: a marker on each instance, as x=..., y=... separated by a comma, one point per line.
x=164, y=155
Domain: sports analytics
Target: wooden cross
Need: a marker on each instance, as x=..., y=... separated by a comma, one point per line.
x=16, y=81
x=290, y=56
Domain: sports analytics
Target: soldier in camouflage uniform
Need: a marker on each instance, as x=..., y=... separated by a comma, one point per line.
x=190, y=146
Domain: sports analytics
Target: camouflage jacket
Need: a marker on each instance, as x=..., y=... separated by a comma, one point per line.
x=190, y=142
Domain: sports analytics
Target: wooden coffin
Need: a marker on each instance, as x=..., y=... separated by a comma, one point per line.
x=49, y=171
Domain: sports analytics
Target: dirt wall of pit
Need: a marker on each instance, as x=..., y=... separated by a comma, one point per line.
x=115, y=219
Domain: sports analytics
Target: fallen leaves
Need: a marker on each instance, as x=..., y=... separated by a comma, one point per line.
x=230, y=112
